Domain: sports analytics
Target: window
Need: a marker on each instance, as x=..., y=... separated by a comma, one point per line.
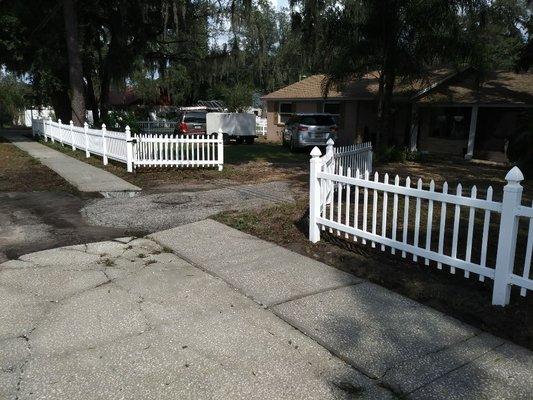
x=450, y=123
x=317, y=120
x=195, y=117
x=333, y=109
x=284, y=112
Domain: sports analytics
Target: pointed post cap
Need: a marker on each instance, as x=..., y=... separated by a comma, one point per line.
x=127, y=127
x=85, y=124
x=330, y=142
x=71, y=122
x=514, y=175
x=316, y=152
x=103, y=126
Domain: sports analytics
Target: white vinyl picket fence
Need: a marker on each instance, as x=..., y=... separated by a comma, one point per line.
x=143, y=150
x=153, y=150
x=356, y=156
x=160, y=126
x=460, y=230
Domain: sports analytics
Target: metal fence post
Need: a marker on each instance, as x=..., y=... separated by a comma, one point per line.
x=314, y=194
x=220, y=145
x=129, y=150
x=512, y=198
x=86, y=137
x=72, y=135
x=104, y=146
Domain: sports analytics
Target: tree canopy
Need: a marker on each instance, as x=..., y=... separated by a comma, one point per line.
x=175, y=52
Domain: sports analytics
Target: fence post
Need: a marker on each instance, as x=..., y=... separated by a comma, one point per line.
x=72, y=135
x=86, y=137
x=314, y=194
x=512, y=198
x=129, y=150
x=32, y=125
x=104, y=146
x=60, y=132
x=44, y=130
x=369, y=155
x=51, y=130
x=220, y=145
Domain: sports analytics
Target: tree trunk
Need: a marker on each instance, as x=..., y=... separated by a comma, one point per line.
x=385, y=94
x=91, y=100
x=77, y=101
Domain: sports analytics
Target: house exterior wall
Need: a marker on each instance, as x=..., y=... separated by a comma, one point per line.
x=357, y=122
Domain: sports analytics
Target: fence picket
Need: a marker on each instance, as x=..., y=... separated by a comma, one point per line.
x=339, y=201
x=347, y=217
x=356, y=205
x=406, y=215
x=395, y=213
x=384, y=214
x=527, y=257
x=442, y=224
x=456, y=218
x=470, y=234
x=374, y=208
x=485, y=239
x=365, y=207
x=429, y=225
x=417, y=219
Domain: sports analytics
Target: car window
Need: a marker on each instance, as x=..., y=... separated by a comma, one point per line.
x=320, y=120
x=195, y=117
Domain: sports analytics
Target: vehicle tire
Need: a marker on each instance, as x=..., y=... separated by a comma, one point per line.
x=225, y=138
x=249, y=140
x=239, y=140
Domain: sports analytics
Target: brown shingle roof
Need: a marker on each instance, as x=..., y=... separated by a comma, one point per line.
x=497, y=88
x=442, y=86
x=365, y=88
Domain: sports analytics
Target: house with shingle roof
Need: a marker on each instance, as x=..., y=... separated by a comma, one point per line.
x=446, y=113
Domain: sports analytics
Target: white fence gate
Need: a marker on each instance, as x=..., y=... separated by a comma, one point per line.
x=417, y=220
x=144, y=150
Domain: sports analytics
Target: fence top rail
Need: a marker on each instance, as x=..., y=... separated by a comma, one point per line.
x=353, y=149
x=414, y=192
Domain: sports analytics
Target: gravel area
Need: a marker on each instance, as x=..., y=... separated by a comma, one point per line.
x=153, y=212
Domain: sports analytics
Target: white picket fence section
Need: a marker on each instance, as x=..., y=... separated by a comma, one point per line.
x=143, y=150
x=261, y=126
x=160, y=126
x=413, y=220
x=153, y=150
x=355, y=156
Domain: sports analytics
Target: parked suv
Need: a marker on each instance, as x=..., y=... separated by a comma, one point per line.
x=302, y=130
x=191, y=122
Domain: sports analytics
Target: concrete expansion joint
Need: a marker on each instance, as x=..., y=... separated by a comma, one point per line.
x=458, y=367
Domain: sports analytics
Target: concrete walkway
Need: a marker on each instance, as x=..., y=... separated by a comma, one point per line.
x=203, y=311
x=83, y=176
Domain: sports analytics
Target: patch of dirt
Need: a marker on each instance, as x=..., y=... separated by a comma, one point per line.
x=20, y=172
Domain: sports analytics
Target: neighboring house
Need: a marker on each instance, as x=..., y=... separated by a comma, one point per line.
x=446, y=113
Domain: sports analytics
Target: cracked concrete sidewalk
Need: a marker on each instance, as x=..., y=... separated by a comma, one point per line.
x=204, y=311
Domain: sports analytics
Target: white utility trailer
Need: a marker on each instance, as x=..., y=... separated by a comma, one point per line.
x=237, y=126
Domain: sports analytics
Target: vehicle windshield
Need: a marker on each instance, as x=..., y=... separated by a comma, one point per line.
x=195, y=117
x=320, y=120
